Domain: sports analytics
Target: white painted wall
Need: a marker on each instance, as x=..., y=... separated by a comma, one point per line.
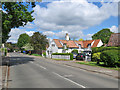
x=51, y=49
x=100, y=44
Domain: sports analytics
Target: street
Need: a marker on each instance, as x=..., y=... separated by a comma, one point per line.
x=32, y=72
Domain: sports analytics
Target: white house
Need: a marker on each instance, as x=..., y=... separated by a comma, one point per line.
x=66, y=46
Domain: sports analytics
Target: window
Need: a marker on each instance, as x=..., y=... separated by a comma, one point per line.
x=79, y=46
x=53, y=45
x=64, y=45
x=89, y=45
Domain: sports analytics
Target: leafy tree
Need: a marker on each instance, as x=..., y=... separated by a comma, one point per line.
x=104, y=35
x=38, y=41
x=80, y=39
x=22, y=40
x=15, y=14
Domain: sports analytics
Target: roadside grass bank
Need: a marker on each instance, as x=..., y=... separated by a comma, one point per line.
x=101, y=64
x=36, y=55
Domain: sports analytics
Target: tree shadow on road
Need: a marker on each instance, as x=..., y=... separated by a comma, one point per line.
x=11, y=61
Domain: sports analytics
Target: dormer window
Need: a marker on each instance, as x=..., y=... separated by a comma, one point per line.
x=64, y=45
x=89, y=45
x=79, y=46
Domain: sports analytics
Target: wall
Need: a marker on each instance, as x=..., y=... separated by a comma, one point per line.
x=100, y=44
x=61, y=57
x=51, y=49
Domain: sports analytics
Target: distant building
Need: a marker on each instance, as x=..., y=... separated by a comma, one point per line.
x=114, y=40
x=66, y=46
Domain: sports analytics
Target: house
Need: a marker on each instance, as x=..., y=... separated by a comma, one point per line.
x=66, y=46
x=114, y=40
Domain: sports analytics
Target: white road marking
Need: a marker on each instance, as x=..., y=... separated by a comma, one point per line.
x=38, y=65
x=69, y=80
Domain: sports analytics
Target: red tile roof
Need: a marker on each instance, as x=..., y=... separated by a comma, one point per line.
x=72, y=44
x=57, y=43
x=96, y=43
x=85, y=43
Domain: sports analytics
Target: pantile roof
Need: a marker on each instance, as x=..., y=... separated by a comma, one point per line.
x=73, y=44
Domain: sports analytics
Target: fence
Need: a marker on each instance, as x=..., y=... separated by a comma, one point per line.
x=61, y=57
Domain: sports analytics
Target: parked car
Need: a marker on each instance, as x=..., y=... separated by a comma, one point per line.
x=80, y=56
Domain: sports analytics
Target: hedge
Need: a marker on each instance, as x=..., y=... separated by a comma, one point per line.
x=96, y=56
x=100, y=49
x=71, y=55
x=75, y=51
x=110, y=57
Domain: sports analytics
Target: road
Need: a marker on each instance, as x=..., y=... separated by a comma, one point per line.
x=32, y=72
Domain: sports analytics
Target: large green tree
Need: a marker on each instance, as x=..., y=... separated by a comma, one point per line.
x=23, y=39
x=38, y=41
x=103, y=34
x=15, y=14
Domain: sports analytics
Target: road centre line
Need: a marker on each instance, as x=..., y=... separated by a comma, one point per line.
x=69, y=80
x=38, y=65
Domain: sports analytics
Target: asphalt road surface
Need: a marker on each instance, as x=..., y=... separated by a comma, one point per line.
x=33, y=72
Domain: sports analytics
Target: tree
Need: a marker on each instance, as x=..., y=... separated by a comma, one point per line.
x=103, y=34
x=15, y=14
x=38, y=41
x=80, y=39
x=22, y=40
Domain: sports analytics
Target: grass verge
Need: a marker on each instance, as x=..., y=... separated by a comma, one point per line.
x=95, y=64
x=36, y=55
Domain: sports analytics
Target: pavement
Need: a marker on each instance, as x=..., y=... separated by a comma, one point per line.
x=37, y=72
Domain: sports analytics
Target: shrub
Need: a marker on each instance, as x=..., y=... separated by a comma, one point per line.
x=96, y=56
x=100, y=49
x=110, y=57
x=71, y=55
x=5, y=51
x=44, y=54
x=75, y=51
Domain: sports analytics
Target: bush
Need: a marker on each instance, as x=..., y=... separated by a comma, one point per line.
x=71, y=55
x=110, y=57
x=100, y=49
x=44, y=54
x=96, y=56
x=5, y=51
x=75, y=51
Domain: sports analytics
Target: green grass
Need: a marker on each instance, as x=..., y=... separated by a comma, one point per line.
x=36, y=55
x=100, y=65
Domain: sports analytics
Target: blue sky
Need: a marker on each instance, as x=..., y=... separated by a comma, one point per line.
x=79, y=20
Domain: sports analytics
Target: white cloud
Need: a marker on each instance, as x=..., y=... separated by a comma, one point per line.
x=30, y=33
x=88, y=36
x=114, y=29
x=72, y=17
x=15, y=34
x=49, y=33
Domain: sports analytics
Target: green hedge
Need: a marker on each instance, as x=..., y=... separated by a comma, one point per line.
x=110, y=57
x=44, y=54
x=71, y=55
x=75, y=51
x=100, y=49
x=96, y=56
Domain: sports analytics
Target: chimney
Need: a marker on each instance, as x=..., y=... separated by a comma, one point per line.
x=67, y=37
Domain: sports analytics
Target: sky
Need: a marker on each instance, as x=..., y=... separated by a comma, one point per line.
x=79, y=19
